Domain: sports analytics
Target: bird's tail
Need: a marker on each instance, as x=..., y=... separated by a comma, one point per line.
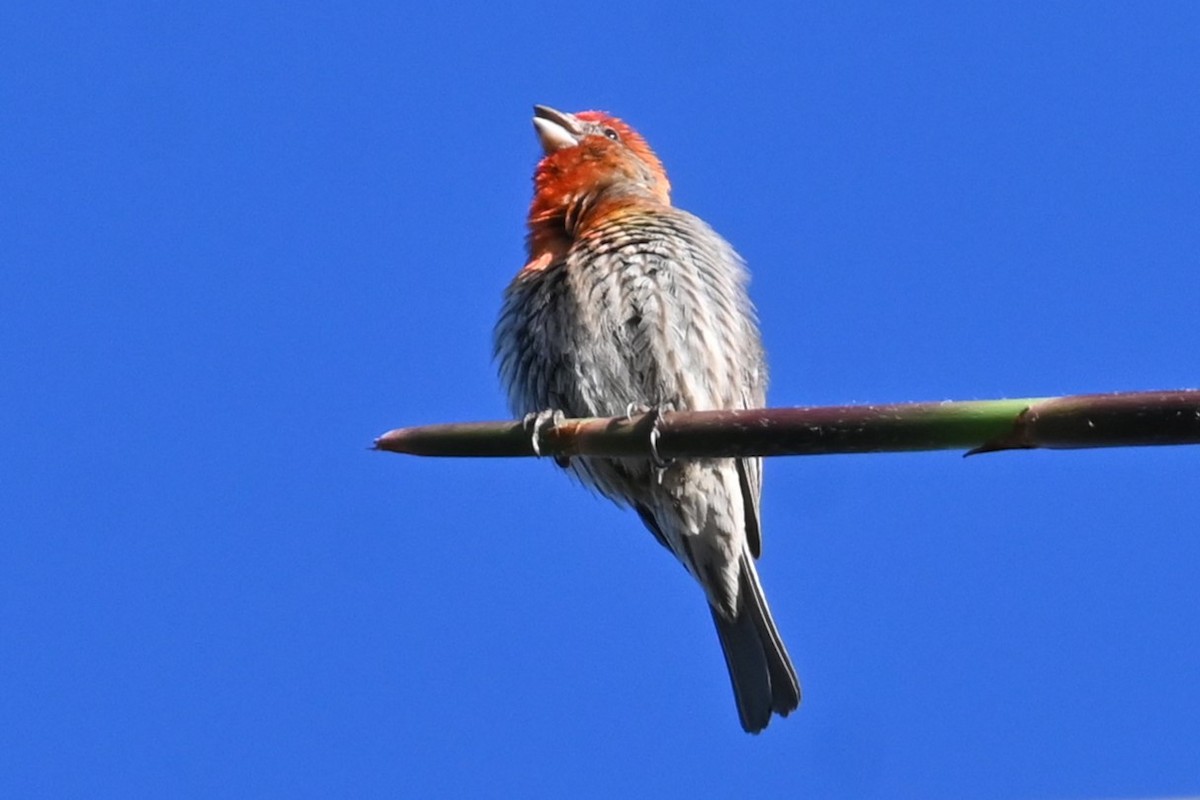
x=764, y=680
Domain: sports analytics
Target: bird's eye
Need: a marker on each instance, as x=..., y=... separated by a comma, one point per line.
x=611, y=134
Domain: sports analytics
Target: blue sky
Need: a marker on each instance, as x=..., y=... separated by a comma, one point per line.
x=239, y=241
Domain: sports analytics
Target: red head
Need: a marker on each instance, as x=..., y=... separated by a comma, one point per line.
x=586, y=154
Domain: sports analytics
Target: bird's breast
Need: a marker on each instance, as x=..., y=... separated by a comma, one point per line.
x=642, y=310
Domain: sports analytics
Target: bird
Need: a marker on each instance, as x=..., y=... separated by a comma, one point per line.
x=628, y=303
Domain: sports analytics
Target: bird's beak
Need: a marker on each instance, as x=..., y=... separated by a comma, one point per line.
x=556, y=129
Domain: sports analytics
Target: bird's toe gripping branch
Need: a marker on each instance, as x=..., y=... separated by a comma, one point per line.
x=655, y=422
x=537, y=422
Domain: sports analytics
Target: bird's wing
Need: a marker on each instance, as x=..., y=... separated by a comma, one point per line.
x=750, y=471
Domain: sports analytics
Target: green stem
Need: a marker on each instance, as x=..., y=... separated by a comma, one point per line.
x=1098, y=420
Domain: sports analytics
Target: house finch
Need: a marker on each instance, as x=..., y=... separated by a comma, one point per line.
x=629, y=303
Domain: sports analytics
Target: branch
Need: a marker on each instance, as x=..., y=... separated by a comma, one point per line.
x=1091, y=420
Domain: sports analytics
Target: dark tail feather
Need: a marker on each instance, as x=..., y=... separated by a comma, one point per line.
x=764, y=680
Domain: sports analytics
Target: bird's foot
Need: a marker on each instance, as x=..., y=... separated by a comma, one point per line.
x=537, y=422
x=659, y=462
x=655, y=419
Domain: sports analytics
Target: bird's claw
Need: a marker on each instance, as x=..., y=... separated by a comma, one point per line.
x=657, y=460
x=537, y=422
x=655, y=417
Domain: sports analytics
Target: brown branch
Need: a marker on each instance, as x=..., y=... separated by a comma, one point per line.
x=1077, y=421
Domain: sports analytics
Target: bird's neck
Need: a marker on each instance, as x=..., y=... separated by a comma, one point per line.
x=557, y=219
